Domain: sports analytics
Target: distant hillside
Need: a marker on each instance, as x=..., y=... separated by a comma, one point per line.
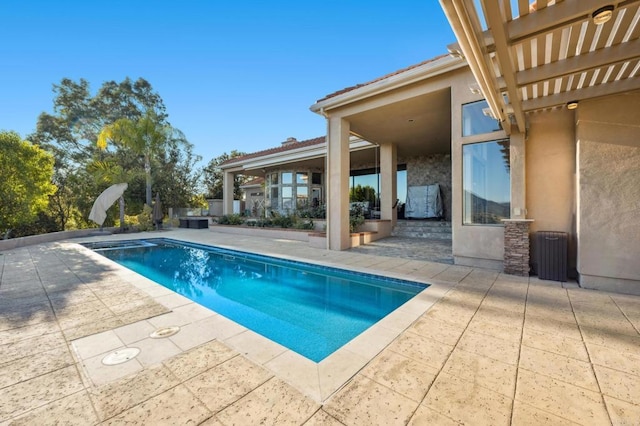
x=487, y=211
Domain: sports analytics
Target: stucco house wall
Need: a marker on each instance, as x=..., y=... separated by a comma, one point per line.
x=550, y=177
x=608, y=193
x=472, y=245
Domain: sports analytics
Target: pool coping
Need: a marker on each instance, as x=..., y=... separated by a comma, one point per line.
x=200, y=325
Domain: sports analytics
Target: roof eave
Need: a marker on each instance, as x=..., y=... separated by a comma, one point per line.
x=428, y=70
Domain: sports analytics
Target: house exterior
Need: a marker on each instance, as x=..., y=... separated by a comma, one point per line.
x=494, y=123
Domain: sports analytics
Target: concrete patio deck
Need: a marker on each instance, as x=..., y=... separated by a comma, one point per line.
x=477, y=348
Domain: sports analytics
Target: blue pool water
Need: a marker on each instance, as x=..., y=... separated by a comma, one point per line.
x=310, y=309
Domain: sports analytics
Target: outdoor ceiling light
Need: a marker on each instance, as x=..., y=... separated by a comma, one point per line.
x=572, y=104
x=602, y=15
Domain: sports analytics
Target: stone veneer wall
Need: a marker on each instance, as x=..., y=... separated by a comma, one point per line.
x=430, y=169
x=516, y=247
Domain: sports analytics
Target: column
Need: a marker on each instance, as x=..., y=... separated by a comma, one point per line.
x=518, y=180
x=516, y=246
x=338, y=235
x=388, y=182
x=227, y=192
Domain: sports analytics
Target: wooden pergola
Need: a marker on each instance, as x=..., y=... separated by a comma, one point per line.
x=547, y=53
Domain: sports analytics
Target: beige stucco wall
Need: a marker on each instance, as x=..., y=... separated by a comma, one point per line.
x=473, y=245
x=608, y=193
x=550, y=176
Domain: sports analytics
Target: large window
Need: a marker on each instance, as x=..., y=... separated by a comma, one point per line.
x=288, y=191
x=486, y=182
x=476, y=119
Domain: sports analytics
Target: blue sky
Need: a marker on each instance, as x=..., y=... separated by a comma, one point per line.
x=233, y=75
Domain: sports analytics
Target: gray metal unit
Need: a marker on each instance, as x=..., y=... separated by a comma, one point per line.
x=551, y=248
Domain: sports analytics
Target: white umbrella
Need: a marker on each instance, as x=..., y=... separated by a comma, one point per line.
x=104, y=201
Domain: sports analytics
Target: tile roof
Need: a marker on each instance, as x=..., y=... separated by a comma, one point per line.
x=283, y=148
x=357, y=86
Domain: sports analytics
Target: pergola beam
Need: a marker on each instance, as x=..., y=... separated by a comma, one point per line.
x=467, y=29
x=561, y=15
x=600, y=58
x=503, y=55
x=615, y=87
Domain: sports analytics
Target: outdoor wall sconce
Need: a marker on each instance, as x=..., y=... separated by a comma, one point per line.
x=572, y=104
x=602, y=15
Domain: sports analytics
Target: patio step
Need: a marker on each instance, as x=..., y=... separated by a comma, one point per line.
x=433, y=229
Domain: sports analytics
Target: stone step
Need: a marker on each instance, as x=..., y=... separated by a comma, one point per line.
x=422, y=229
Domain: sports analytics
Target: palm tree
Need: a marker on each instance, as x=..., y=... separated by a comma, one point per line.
x=144, y=136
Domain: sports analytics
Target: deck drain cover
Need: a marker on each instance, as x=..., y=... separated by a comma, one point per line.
x=120, y=356
x=164, y=332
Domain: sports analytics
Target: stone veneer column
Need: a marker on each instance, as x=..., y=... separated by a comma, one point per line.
x=516, y=246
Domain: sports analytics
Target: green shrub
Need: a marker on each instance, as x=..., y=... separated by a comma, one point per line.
x=304, y=224
x=145, y=222
x=356, y=217
x=231, y=219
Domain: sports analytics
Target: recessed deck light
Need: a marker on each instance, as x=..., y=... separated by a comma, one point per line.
x=572, y=104
x=602, y=15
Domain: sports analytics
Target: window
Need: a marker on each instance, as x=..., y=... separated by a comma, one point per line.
x=287, y=178
x=486, y=182
x=316, y=178
x=287, y=197
x=302, y=197
x=302, y=178
x=475, y=120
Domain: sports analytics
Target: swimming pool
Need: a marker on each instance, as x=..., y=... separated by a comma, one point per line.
x=312, y=310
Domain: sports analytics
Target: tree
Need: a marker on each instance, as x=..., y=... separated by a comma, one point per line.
x=144, y=136
x=71, y=131
x=213, y=176
x=25, y=173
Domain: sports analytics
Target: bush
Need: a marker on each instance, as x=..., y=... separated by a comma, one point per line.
x=304, y=224
x=356, y=217
x=230, y=219
x=145, y=222
x=318, y=212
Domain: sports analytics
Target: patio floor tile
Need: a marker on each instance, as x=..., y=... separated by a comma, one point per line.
x=225, y=383
x=134, y=332
x=365, y=402
x=116, y=397
x=401, y=374
x=31, y=346
x=190, y=364
x=275, y=402
x=561, y=399
x=426, y=416
x=499, y=349
x=321, y=418
x=612, y=358
x=25, y=396
x=555, y=343
x=421, y=349
x=74, y=409
x=526, y=415
x=479, y=370
x=467, y=403
x=619, y=384
x=166, y=408
x=437, y=330
x=35, y=365
x=569, y=370
x=622, y=412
